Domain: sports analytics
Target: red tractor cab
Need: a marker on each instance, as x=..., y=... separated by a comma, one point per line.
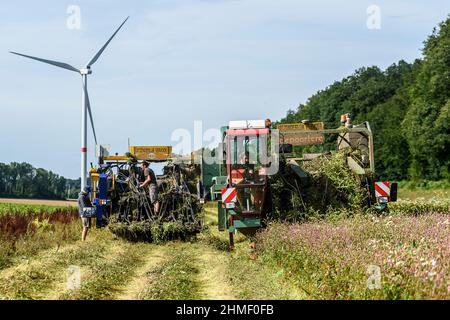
x=244, y=201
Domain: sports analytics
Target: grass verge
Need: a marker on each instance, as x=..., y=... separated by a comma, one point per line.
x=363, y=257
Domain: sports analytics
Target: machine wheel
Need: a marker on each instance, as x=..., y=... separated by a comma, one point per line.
x=231, y=241
x=268, y=204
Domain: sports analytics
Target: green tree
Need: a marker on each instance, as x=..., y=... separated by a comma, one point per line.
x=427, y=125
x=407, y=106
x=22, y=180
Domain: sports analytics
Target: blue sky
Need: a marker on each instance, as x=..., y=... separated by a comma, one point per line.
x=175, y=62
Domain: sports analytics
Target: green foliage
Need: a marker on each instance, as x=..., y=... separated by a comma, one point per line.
x=331, y=188
x=424, y=185
x=42, y=225
x=22, y=180
x=416, y=208
x=427, y=128
x=408, y=108
x=336, y=184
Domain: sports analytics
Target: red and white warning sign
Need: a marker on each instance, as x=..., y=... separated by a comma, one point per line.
x=229, y=195
x=382, y=189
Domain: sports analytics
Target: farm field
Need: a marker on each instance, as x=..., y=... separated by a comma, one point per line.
x=38, y=202
x=404, y=194
x=295, y=261
x=423, y=195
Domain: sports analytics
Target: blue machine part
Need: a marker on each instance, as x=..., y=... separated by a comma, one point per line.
x=102, y=198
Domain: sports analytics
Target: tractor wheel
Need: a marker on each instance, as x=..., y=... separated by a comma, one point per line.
x=231, y=241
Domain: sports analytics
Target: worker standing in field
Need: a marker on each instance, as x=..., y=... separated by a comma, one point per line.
x=85, y=209
x=150, y=181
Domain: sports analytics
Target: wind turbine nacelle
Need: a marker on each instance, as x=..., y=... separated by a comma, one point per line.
x=85, y=71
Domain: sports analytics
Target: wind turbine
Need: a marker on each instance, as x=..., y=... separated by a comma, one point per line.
x=85, y=104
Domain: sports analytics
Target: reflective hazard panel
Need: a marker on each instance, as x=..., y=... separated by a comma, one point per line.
x=382, y=189
x=229, y=195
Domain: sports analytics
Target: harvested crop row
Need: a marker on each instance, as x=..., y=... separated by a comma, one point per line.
x=38, y=277
x=155, y=232
x=175, y=278
x=104, y=265
x=104, y=276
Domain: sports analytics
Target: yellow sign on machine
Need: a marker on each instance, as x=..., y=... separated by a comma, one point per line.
x=301, y=134
x=285, y=127
x=151, y=153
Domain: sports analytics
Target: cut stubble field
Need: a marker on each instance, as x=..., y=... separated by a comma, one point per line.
x=326, y=259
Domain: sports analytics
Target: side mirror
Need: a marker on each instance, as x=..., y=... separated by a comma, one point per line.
x=393, y=195
x=286, y=148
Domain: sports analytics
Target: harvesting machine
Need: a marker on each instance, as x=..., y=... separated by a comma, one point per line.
x=118, y=198
x=256, y=157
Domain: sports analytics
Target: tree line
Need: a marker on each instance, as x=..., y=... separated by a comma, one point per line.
x=407, y=105
x=22, y=180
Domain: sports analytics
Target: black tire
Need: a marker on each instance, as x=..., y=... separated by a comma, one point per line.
x=231, y=241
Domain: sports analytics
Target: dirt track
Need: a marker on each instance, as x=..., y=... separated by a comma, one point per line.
x=39, y=202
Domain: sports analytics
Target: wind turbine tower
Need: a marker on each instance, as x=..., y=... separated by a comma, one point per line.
x=85, y=104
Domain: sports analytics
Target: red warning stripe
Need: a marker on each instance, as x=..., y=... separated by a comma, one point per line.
x=229, y=195
x=83, y=149
x=382, y=189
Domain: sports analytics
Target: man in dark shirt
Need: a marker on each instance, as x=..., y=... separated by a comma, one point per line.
x=150, y=182
x=84, y=202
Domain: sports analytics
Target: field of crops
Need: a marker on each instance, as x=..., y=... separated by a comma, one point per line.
x=38, y=202
x=20, y=219
x=27, y=229
x=31, y=209
x=401, y=255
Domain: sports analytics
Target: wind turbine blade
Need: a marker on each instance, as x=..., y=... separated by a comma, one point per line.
x=99, y=53
x=55, y=63
x=88, y=105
